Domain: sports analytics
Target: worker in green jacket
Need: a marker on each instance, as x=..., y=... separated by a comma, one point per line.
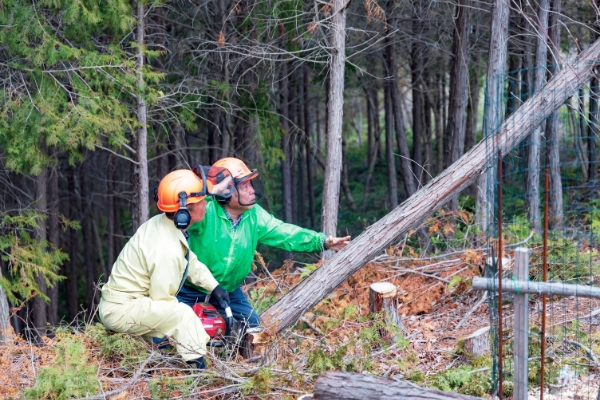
x=226, y=239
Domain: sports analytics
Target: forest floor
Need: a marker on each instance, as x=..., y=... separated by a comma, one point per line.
x=339, y=333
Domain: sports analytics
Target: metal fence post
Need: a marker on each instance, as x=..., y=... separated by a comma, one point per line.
x=521, y=327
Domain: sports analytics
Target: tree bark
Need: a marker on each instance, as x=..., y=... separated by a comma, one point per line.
x=532, y=187
x=141, y=183
x=335, y=111
x=593, y=132
x=308, y=149
x=373, y=112
x=389, y=150
x=54, y=239
x=552, y=136
x=345, y=183
x=405, y=163
x=86, y=218
x=459, y=90
x=353, y=386
x=40, y=316
x=4, y=314
x=74, y=214
x=493, y=94
x=409, y=214
x=439, y=124
x=286, y=169
x=110, y=209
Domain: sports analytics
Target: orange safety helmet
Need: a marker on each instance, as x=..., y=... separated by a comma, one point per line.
x=238, y=169
x=176, y=182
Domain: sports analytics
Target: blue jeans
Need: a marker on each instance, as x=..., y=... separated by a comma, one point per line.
x=240, y=306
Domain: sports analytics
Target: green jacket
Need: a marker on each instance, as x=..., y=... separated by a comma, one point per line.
x=228, y=255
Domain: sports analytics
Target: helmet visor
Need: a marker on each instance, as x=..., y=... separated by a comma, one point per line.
x=217, y=180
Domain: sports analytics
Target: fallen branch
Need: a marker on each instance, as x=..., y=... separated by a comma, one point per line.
x=587, y=350
x=472, y=310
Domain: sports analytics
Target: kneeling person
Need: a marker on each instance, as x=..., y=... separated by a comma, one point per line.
x=139, y=297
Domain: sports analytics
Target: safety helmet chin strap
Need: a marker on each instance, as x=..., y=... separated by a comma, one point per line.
x=239, y=197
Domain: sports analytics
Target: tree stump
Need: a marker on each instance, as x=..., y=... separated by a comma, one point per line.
x=382, y=297
x=478, y=343
x=250, y=347
x=352, y=386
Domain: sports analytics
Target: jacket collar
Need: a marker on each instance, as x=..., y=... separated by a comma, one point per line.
x=170, y=225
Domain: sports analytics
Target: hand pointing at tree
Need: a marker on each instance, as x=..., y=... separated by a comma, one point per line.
x=336, y=244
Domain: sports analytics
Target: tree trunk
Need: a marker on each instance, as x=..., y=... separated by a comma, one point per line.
x=413, y=211
x=54, y=239
x=40, y=316
x=308, y=149
x=353, y=386
x=426, y=173
x=86, y=217
x=111, y=212
x=345, y=183
x=592, y=133
x=286, y=169
x=140, y=179
x=552, y=136
x=335, y=111
x=532, y=187
x=4, y=313
x=373, y=111
x=439, y=124
x=459, y=90
x=494, y=90
x=416, y=71
x=389, y=150
x=74, y=214
x=392, y=66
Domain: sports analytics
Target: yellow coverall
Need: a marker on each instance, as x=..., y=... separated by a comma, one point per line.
x=139, y=297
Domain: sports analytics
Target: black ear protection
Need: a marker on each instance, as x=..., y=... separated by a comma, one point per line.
x=182, y=217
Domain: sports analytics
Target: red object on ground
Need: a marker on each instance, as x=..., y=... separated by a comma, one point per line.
x=212, y=321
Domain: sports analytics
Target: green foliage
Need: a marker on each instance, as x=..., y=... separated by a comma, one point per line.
x=260, y=302
x=167, y=388
x=463, y=380
x=72, y=375
x=566, y=262
x=259, y=383
x=321, y=360
x=27, y=257
x=129, y=350
x=74, y=89
x=518, y=229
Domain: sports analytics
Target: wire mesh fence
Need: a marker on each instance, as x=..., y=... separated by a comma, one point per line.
x=544, y=196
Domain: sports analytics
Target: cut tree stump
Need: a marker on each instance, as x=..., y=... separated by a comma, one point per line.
x=383, y=297
x=478, y=343
x=435, y=194
x=352, y=386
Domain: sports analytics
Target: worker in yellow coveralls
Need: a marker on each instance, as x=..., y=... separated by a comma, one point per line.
x=140, y=295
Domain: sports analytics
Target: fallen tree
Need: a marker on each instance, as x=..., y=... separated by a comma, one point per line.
x=423, y=203
x=352, y=386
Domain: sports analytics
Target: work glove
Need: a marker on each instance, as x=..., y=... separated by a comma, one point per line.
x=222, y=296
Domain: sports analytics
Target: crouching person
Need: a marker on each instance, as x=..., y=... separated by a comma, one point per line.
x=140, y=295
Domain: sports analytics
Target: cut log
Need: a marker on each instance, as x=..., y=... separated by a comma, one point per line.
x=383, y=297
x=435, y=194
x=352, y=386
x=478, y=343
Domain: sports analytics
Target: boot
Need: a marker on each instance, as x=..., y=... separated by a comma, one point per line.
x=198, y=363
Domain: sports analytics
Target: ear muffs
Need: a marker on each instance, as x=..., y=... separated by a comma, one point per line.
x=182, y=217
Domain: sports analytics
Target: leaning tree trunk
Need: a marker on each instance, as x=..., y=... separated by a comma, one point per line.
x=494, y=90
x=459, y=90
x=140, y=179
x=335, y=110
x=532, y=187
x=422, y=204
x=552, y=136
x=353, y=386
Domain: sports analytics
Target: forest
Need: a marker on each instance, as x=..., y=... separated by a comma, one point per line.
x=348, y=110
